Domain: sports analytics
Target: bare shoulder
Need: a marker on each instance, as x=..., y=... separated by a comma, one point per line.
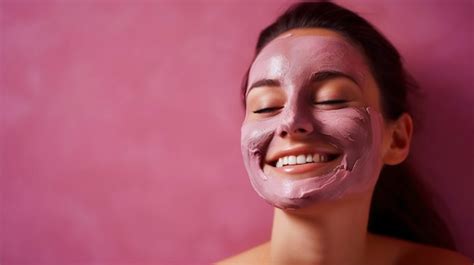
x=382, y=250
x=255, y=255
x=402, y=252
x=424, y=254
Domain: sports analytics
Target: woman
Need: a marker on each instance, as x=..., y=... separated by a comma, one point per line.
x=326, y=110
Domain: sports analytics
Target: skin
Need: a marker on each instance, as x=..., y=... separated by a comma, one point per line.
x=304, y=123
x=335, y=231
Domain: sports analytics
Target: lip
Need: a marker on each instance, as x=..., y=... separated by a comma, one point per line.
x=299, y=150
x=303, y=170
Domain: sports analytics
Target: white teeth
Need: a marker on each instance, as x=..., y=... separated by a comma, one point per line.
x=280, y=162
x=292, y=160
x=300, y=159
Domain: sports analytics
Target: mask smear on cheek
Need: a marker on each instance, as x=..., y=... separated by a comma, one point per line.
x=254, y=142
x=357, y=133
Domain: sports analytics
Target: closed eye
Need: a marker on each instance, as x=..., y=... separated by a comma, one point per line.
x=331, y=102
x=268, y=110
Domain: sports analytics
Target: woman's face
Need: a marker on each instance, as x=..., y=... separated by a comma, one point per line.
x=313, y=130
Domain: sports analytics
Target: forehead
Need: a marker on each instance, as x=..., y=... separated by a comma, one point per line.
x=294, y=57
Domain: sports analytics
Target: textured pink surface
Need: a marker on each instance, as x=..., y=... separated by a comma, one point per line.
x=120, y=125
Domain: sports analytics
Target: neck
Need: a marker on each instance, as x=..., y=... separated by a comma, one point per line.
x=327, y=233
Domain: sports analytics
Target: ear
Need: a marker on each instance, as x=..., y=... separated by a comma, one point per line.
x=399, y=137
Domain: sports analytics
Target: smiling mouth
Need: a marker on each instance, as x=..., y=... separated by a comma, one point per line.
x=303, y=165
x=303, y=159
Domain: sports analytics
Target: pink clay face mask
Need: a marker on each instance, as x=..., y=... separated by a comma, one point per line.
x=355, y=131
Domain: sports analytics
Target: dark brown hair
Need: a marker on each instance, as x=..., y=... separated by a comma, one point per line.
x=401, y=204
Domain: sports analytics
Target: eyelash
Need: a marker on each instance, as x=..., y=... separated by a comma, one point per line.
x=327, y=102
x=331, y=102
x=267, y=110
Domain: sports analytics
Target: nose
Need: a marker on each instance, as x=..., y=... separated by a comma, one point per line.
x=295, y=124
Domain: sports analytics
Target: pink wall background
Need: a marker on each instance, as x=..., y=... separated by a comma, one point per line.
x=120, y=125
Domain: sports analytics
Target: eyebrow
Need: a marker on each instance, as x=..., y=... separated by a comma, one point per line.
x=316, y=77
x=264, y=82
x=327, y=75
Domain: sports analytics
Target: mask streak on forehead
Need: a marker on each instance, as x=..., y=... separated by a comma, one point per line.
x=293, y=60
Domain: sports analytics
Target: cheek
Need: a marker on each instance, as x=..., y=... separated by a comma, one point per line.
x=349, y=127
x=256, y=134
